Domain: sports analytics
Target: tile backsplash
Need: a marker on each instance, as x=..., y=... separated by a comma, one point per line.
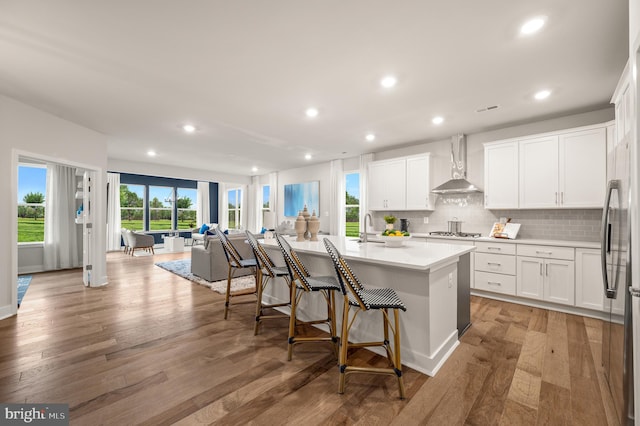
x=557, y=224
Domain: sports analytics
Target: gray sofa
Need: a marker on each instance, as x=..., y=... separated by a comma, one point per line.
x=209, y=262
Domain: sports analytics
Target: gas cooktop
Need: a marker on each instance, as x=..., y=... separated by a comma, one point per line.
x=456, y=234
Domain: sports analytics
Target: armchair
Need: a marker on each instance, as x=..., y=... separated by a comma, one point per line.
x=136, y=240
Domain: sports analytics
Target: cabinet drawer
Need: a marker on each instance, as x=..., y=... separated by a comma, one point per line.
x=498, y=263
x=546, y=252
x=497, y=248
x=497, y=283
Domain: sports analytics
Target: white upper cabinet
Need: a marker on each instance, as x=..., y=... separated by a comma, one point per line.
x=566, y=169
x=419, y=195
x=539, y=173
x=401, y=184
x=583, y=168
x=387, y=185
x=501, y=175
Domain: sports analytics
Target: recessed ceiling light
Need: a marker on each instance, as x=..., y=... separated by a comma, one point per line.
x=254, y=169
x=189, y=128
x=543, y=94
x=437, y=120
x=370, y=137
x=311, y=112
x=307, y=157
x=533, y=25
x=151, y=153
x=388, y=82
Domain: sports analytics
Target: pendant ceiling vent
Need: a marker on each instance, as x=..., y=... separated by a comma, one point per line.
x=458, y=184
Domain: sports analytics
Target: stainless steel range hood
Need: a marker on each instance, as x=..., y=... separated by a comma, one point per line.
x=458, y=184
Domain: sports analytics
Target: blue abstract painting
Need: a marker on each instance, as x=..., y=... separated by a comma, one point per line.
x=297, y=195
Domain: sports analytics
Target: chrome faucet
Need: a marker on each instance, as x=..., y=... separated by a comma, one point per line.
x=364, y=234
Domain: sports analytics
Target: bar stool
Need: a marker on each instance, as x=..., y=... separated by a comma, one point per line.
x=364, y=299
x=302, y=283
x=266, y=271
x=235, y=261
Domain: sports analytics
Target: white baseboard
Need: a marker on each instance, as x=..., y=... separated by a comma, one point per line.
x=8, y=311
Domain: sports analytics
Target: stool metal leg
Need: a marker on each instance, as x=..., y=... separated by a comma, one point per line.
x=344, y=346
x=259, y=288
x=228, y=295
x=396, y=348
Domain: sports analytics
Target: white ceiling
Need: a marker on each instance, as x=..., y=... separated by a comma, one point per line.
x=243, y=72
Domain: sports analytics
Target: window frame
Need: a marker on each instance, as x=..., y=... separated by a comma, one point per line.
x=237, y=210
x=143, y=207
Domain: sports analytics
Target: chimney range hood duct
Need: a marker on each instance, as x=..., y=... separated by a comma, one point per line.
x=458, y=184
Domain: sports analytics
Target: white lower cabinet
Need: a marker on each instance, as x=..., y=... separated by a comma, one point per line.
x=542, y=278
x=530, y=278
x=589, y=283
x=495, y=267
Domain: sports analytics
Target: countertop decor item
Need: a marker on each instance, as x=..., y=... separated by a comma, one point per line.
x=301, y=227
x=390, y=220
x=313, y=225
x=394, y=241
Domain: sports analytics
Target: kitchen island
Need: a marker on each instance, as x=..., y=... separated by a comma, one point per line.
x=425, y=276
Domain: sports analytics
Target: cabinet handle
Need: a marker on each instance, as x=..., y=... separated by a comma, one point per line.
x=494, y=248
x=544, y=252
x=494, y=263
x=541, y=269
x=556, y=198
x=494, y=283
x=562, y=197
x=546, y=269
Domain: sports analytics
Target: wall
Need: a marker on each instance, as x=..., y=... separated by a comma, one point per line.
x=138, y=168
x=319, y=172
x=27, y=131
x=570, y=225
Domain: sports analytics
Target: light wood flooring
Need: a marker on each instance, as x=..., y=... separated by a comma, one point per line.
x=153, y=348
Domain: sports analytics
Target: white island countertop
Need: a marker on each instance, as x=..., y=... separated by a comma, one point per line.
x=415, y=254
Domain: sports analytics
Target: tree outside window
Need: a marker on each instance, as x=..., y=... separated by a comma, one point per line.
x=186, y=200
x=352, y=204
x=32, y=183
x=234, y=208
x=161, y=200
x=266, y=193
x=132, y=207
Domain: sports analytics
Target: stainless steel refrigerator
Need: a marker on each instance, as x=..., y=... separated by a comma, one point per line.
x=617, y=333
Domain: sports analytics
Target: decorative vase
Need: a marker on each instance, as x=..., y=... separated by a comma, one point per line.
x=389, y=225
x=314, y=226
x=301, y=227
x=305, y=215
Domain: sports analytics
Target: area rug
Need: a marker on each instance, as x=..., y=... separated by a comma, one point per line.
x=23, y=285
x=182, y=268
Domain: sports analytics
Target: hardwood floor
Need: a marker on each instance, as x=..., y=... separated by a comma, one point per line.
x=153, y=348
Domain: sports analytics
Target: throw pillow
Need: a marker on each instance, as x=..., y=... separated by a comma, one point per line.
x=204, y=228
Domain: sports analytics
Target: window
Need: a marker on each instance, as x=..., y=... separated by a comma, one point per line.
x=186, y=202
x=132, y=207
x=235, y=208
x=266, y=193
x=160, y=208
x=32, y=184
x=352, y=204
